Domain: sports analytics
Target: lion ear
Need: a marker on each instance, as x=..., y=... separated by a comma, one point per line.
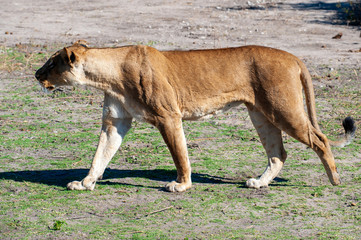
x=81, y=43
x=69, y=56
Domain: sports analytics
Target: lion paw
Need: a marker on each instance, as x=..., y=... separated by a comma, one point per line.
x=254, y=183
x=177, y=187
x=86, y=184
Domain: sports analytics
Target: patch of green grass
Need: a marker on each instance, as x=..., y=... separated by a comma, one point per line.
x=57, y=225
x=20, y=58
x=49, y=140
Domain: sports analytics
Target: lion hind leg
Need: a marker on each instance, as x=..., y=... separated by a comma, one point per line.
x=298, y=126
x=271, y=139
x=320, y=144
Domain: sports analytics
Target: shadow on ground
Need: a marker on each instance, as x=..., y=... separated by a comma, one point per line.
x=344, y=13
x=61, y=177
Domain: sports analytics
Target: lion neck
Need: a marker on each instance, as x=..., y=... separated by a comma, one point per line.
x=100, y=68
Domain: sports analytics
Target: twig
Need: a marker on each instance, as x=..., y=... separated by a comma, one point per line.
x=134, y=232
x=205, y=139
x=76, y=218
x=224, y=210
x=95, y=214
x=74, y=97
x=76, y=163
x=158, y=211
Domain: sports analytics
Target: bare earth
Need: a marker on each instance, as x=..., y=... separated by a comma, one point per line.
x=303, y=28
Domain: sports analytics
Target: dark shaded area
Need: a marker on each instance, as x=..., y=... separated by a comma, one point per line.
x=344, y=12
x=320, y=5
x=279, y=180
x=60, y=178
x=254, y=7
x=260, y=6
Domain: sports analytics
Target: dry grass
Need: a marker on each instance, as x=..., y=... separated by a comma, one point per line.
x=22, y=57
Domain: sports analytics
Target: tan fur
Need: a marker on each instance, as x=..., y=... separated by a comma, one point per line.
x=164, y=88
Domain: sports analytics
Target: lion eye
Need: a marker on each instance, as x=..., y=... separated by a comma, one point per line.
x=51, y=65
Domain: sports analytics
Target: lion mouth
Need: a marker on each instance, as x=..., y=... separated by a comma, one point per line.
x=51, y=88
x=47, y=89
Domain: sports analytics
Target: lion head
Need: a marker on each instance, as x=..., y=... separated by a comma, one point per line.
x=60, y=69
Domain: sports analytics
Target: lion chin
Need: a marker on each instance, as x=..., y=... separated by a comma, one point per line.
x=44, y=89
x=164, y=88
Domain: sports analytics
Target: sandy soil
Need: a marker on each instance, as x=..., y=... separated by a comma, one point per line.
x=304, y=28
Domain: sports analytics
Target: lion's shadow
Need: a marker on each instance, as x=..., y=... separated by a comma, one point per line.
x=60, y=178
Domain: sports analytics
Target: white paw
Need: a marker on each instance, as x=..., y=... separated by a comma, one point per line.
x=76, y=185
x=254, y=183
x=177, y=187
x=87, y=184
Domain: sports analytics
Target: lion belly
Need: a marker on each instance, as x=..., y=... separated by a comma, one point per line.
x=205, y=112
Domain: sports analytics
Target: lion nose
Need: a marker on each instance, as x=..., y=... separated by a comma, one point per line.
x=37, y=75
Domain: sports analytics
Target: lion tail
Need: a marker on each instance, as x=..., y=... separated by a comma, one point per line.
x=348, y=123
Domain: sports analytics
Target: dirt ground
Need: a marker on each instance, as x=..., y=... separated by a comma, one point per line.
x=303, y=28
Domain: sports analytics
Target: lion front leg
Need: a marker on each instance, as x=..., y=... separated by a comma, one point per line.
x=173, y=135
x=112, y=134
x=116, y=123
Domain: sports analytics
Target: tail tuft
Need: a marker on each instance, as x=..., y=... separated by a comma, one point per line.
x=350, y=129
x=349, y=126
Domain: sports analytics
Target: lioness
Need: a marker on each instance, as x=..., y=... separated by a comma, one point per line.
x=165, y=87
